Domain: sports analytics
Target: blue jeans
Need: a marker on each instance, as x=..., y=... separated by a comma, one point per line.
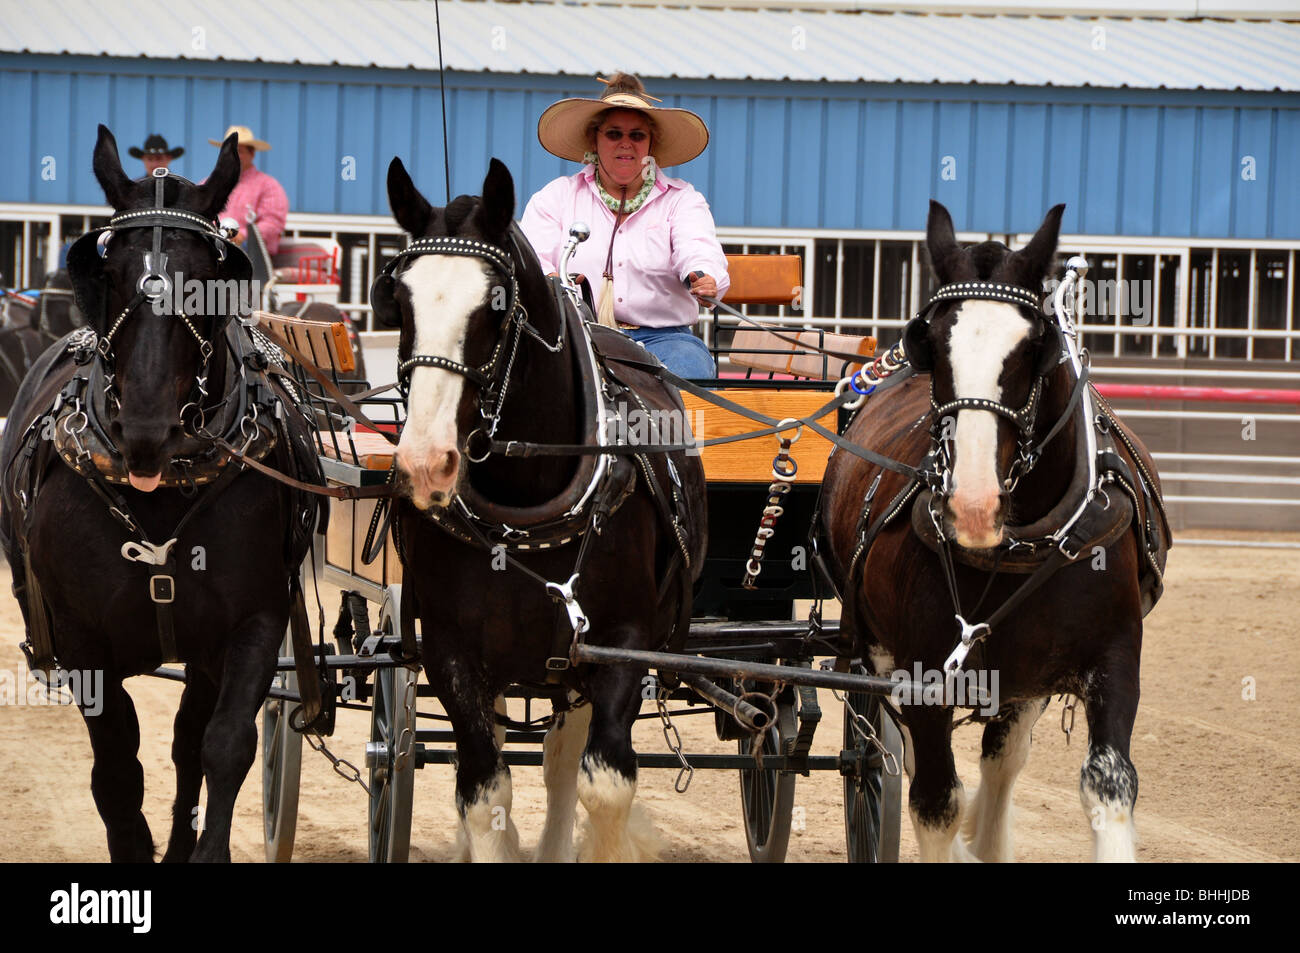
x=678, y=350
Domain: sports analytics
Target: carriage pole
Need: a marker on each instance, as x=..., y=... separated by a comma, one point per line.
x=727, y=668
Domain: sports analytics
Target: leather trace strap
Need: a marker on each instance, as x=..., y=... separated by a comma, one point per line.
x=336, y=492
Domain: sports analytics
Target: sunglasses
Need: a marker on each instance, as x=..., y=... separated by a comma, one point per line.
x=616, y=135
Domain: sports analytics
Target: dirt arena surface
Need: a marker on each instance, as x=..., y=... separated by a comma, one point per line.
x=1219, y=773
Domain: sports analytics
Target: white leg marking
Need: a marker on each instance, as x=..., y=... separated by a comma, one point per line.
x=942, y=844
x=1109, y=814
x=616, y=830
x=882, y=662
x=983, y=336
x=561, y=753
x=488, y=833
x=989, y=820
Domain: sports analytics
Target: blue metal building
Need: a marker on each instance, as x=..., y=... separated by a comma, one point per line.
x=820, y=119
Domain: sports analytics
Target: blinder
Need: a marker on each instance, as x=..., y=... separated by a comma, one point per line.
x=85, y=260
x=916, y=343
x=383, y=303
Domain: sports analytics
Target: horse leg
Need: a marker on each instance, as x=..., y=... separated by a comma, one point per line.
x=1005, y=749
x=935, y=799
x=197, y=703
x=561, y=753
x=483, y=787
x=117, y=779
x=230, y=739
x=616, y=830
x=1108, y=782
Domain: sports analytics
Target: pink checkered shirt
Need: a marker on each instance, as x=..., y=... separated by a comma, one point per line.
x=267, y=198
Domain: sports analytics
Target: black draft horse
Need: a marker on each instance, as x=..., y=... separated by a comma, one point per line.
x=486, y=337
x=131, y=538
x=991, y=383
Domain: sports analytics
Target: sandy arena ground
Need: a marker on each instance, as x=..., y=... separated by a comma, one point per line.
x=1220, y=773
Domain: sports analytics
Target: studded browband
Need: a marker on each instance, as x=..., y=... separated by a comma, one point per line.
x=982, y=290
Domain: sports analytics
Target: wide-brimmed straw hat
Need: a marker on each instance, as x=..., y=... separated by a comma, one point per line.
x=155, y=145
x=245, y=138
x=679, y=134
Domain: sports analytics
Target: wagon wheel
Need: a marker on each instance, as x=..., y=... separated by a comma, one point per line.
x=392, y=730
x=873, y=798
x=766, y=795
x=281, y=768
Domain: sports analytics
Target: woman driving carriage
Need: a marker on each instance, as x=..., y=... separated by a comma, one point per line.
x=652, y=237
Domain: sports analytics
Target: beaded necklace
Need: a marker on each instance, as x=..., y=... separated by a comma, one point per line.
x=632, y=203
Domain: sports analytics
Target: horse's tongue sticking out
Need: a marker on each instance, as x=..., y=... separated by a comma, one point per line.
x=145, y=484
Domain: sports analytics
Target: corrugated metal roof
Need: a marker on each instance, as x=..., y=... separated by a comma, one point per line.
x=694, y=43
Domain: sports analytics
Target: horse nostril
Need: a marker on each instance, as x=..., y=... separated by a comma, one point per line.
x=447, y=468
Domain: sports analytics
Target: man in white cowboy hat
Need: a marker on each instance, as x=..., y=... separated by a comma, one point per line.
x=652, y=237
x=155, y=153
x=256, y=191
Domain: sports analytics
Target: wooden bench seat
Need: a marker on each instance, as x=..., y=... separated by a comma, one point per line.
x=325, y=343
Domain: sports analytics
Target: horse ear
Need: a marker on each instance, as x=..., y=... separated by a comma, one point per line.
x=411, y=209
x=498, y=201
x=947, y=258
x=214, y=192
x=108, y=170
x=1029, y=266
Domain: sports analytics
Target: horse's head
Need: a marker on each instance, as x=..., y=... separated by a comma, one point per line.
x=451, y=293
x=128, y=281
x=983, y=352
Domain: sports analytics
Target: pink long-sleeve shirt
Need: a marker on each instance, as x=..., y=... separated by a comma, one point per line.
x=267, y=198
x=657, y=246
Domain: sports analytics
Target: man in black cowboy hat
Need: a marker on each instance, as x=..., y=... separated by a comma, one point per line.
x=155, y=153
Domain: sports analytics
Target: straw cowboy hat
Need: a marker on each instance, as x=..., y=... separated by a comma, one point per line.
x=245, y=138
x=679, y=135
x=155, y=145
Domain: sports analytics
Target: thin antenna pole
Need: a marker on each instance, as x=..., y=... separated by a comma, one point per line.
x=446, y=159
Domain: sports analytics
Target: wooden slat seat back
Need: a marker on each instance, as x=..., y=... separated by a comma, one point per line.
x=807, y=362
x=764, y=351
x=366, y=449
x=325, y=343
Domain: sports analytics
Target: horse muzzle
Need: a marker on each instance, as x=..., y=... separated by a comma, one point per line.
x=976, y=519
x=146, y=448
x=430, y=476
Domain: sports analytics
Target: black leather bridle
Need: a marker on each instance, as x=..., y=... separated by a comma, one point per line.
x=1023, y=417
x=492, y=378
x=156, y=283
